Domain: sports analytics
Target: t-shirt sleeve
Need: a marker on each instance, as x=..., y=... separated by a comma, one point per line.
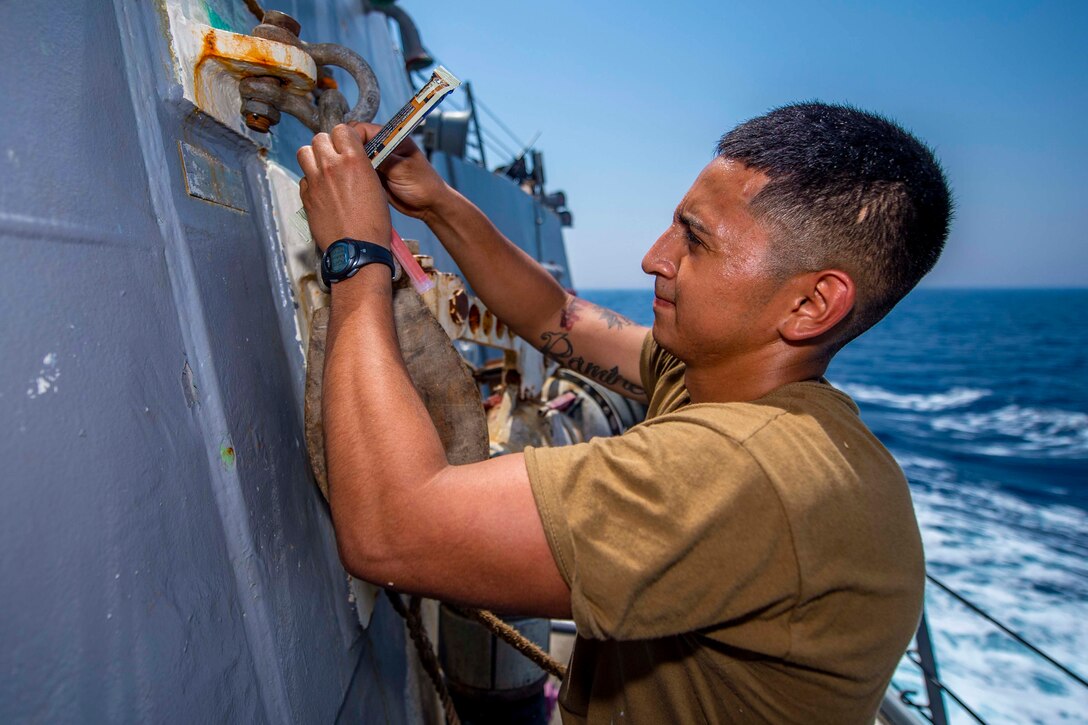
x=668, y=528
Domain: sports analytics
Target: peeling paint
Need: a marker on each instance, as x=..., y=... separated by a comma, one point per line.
x=46, y=381
x=297, y=274
x=227, y=456
x=188, y=387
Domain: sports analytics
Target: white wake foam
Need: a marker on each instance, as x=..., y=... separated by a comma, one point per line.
x=1028, y=566
x=918, y=402
x=1020, y=431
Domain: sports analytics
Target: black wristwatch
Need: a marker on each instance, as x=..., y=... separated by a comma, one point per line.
x=344, y=257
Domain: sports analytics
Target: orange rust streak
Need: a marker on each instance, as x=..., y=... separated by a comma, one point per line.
x=252, y=57
x=474, y=318
x=255, y=56
x=208, y=51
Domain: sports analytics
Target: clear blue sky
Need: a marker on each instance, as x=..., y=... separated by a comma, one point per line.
x=631, y=98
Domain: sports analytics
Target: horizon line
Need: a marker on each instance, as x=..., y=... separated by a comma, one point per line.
x=941, y=287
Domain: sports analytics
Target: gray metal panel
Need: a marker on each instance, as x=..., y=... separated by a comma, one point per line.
x=65, y=157
x=292, y=574
x=164, y=552
x=119, y=596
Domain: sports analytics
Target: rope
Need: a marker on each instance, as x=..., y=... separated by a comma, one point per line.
x=515, y=639
x=511, y=636
x=427, y=657
x=414, y=621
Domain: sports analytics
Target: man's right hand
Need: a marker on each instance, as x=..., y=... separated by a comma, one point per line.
x=413, y=186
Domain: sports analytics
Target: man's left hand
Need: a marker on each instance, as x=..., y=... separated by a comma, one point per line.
x=341, y=191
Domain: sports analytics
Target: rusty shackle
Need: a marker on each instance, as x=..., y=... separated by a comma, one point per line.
x=264, y=97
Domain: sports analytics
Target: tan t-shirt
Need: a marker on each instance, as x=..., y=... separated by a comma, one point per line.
x=732, y=562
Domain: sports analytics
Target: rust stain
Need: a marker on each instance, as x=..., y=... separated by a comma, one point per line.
x=253, y=51
x=488, y=322
x=248, y=58
x=258, y=122
x=458, y=306
x=474, y=318
x=227, y=455
x=207, y=51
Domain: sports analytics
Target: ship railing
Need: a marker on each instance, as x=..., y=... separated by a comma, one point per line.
x=923, y=656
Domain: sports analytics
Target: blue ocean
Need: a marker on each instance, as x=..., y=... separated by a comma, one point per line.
x=981, y=396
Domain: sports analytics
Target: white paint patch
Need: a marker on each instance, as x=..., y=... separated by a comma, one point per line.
x=365, y=596
x=46, y=381
x=298, y=256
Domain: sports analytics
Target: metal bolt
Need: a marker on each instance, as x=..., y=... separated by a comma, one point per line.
x=259, y=116
x=282, y=20
x=281, y=27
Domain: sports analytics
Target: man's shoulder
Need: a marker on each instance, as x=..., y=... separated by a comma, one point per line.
x=787, y=410
x=811, y=446
x=818, y=445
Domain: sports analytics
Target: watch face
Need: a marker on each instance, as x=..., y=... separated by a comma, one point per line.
x=339, y=258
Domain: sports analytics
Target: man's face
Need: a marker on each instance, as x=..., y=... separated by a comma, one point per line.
x=714, y=285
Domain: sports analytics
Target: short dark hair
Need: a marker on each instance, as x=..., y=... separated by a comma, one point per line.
x=848, y=189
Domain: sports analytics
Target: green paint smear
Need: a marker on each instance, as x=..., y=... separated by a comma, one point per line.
x=215, y=19
x=226, y=454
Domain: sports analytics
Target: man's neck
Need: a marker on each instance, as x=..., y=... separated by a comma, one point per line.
x=751, y=377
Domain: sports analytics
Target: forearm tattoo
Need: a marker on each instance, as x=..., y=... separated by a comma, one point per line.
x=571, y=313
x=558, y=346
x=614, y=319
x=576, y=308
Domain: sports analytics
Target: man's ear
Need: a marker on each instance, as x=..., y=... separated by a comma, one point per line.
x=820, y=300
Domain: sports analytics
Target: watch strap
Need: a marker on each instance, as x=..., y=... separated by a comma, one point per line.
x=363, y=253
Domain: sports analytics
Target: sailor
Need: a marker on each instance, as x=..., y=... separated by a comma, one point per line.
x=749, y=553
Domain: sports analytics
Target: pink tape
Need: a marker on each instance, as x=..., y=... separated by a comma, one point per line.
x=420, y=281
